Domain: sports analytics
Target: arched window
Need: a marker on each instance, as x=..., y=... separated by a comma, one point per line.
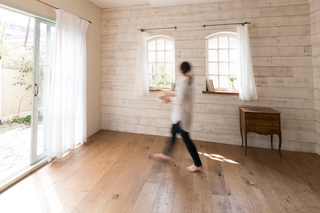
x=161, y=61
x=222, y=59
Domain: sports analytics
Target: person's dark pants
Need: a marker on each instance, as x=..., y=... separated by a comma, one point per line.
x=190, y=146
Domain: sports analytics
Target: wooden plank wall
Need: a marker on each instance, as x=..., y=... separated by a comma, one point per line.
x=315, y=41
x=282, y=57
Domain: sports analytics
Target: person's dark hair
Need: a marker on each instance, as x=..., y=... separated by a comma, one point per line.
x=185, y=68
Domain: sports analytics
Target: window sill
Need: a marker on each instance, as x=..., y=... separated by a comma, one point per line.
x=222, y=92
x=157, y=90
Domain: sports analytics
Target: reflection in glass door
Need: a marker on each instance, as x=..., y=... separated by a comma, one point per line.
x=43, y=57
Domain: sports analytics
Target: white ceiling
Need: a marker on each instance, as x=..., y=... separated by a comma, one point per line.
x=166, y=3
x=118, y=3
x=153, y=3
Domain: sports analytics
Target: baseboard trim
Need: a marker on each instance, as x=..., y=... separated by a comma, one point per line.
x=15, y=178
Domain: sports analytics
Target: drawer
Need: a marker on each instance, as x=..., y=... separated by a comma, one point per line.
x=263, y=123
x=256, y=116
x=263, y=130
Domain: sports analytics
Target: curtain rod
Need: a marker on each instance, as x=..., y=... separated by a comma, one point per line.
x=142, y=30
x=204, y=26
x=59, y=9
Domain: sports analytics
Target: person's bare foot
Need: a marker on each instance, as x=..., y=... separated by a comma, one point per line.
x=162, y=156
x=193, y=168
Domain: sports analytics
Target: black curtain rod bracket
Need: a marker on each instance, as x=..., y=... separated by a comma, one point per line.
x=143, y=30
x=211, y=25
x=59, y=9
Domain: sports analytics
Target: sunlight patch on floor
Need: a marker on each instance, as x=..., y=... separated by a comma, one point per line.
x=218, y=158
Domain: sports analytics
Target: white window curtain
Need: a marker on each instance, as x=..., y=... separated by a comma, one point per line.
x=67, y=123
x=142, y=82
x=248, y=89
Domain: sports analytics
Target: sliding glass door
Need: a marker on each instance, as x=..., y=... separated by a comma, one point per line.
x=43, y=57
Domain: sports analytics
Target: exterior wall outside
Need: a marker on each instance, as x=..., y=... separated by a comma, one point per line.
x=315, y=41
x=10, y=102
x=86, y=10
x=282, y=58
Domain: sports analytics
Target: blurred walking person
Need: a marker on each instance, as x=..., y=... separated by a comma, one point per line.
x=181, y=117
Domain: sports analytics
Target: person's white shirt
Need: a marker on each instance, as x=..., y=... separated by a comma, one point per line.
x=183, y=104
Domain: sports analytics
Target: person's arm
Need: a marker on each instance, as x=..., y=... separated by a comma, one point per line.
x=179, y=99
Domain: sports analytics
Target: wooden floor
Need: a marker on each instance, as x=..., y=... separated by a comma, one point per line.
x=114, y=173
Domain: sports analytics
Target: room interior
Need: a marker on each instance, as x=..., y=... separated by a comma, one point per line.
x=113, y=170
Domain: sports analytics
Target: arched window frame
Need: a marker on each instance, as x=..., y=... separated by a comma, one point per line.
x=167, y=64
x=217, y=77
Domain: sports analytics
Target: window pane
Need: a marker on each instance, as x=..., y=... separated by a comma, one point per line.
x=224, y=82
x=236, y=83
x=169, y=45
x=223, y=42
x=160, y=80
x=169, y=68
x=160, y=68
x=160, y=44
x=152, y=45
x=215, y=81
x=160, y=56
x=213, y=55
x=234, y=55
x=223, y=55
x=152, y=57
x=169, y=56
x=223, y=68
x=233, y=42
x=152, y=79
x=213, y=68
x=213, y=43
x=169, y=78
x=151, y=68
x=234, y=69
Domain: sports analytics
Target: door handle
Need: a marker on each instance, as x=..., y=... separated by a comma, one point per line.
x=36, y=89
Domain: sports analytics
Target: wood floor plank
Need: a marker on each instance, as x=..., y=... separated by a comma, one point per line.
x=112, y=172
x=91, y=172
x=220, y=204
x=283, y=182
x=239, y=200
x=166, y=193
x=248, y=179
x=136, y=172
x=96, y=197
x=183, y=199
x=201, y=184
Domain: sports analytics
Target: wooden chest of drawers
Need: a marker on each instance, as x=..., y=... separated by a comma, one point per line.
x=264, y=121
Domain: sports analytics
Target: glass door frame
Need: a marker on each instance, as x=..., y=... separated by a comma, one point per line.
x=34, y=156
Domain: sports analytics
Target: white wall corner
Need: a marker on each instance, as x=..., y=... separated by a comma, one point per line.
x=318, y=149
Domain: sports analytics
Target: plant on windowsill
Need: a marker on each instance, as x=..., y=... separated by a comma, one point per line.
x=232, y=78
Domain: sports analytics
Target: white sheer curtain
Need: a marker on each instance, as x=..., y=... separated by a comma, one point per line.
x=142, y=82
x=248, y=89
x=67, y=123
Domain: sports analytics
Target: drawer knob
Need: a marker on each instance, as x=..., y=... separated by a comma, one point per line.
x=272, y=130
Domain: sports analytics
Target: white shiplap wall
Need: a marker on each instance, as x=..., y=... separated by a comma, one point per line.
x=282, y=57
x=315, y=41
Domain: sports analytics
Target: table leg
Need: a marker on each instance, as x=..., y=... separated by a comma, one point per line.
x=280, y=143
x=245, y=136
x=272, y=141
x=241, y=136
